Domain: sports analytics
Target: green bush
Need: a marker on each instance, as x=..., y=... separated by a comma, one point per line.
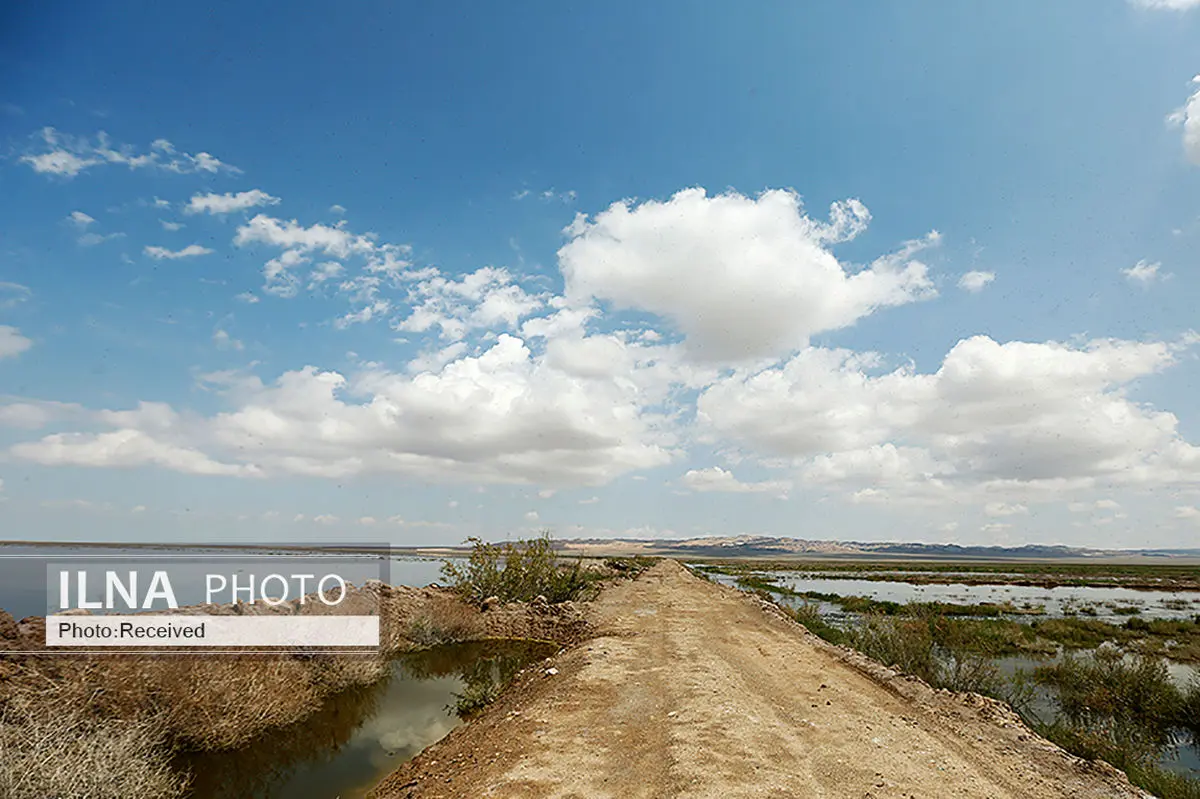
x=1131, y=754
x=516, y=571
x=1118, y=697
x=905, y=644
x=810, y=616
x=970, y=672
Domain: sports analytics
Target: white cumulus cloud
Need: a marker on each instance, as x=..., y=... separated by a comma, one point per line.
x=1017, y=419
x=717, y=479
x=1188, y=118
x=1004, y=509
x=1169, y=5
x=975, y=281
x=190, y=251
x=228, y=203
x=504, y=416
x=12, y=343
x=739, y=277
x=1143, y=273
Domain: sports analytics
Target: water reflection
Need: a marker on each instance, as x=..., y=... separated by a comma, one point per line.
x=365, y=733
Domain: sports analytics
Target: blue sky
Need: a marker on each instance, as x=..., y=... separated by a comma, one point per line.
x=281, y=271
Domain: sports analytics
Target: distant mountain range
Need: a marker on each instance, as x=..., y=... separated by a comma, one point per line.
x=767, y=546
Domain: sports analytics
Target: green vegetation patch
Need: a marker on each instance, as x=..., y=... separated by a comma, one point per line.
x=518, y=571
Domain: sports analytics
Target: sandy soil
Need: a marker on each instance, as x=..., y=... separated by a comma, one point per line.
x=692, y=689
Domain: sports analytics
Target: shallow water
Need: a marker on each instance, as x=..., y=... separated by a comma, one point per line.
x=1055, y=601
x=362, y=735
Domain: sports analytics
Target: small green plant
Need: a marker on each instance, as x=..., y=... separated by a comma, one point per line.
x=475, y=697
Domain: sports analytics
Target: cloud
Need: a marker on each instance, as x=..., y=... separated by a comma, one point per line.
x=589, y=501
x=382, y=264
x=337, y=209
x=740, y=277
x=1170, y=5
x=81, y=222
x=13, y=294
x=248, y=297
x=1024, y=421
x=66, y=156
x=31, y=415
x=485, y=298
x=12, y=343
x=216, y=204
x=291, y=235
x=224, y=341
x=92, y=239
x=547, y=195
x=123, y=448
x=171, y=226
x=190, y=251
x=1188, y=118
x=1004, y=509
x=531, y=516
x=975, y=281
x=1144, y=273
x=717, y=479
x=504, y=416
x=323, y=272
x=1188, y=513
x=991, y=419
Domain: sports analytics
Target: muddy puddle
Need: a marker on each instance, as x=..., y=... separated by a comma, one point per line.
x=362, y=735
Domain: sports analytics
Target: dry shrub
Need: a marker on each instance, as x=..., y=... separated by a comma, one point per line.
x=335, y=673
x=220, y=702
x=69, y=755
x=444, y=620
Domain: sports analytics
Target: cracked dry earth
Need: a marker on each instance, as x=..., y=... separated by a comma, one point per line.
x=691, y=689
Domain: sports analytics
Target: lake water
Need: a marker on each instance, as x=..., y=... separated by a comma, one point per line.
x=364, y=734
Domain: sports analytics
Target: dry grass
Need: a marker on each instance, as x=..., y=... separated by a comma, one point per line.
x=69, y=755
x=444, y=620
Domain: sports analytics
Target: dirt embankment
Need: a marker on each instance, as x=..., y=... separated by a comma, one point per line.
x=692, y=689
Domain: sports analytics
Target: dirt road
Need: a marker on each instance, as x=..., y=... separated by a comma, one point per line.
x=695, y=690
